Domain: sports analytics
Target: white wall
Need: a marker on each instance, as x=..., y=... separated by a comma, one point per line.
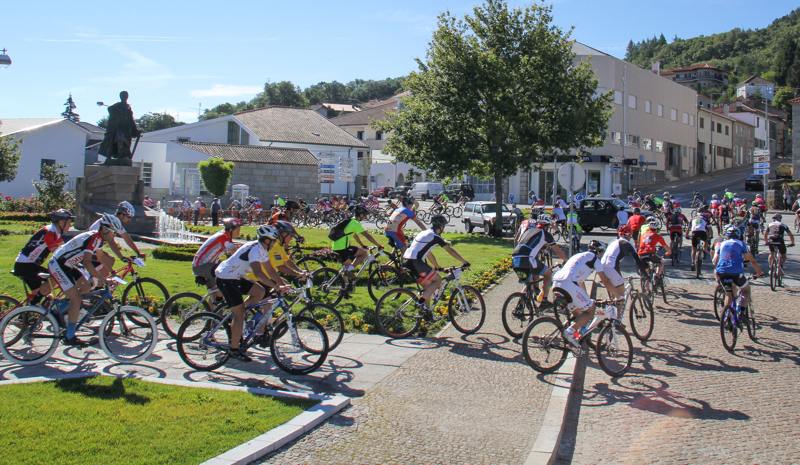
x=155, y=153
x=64, y=142
x=215, y=131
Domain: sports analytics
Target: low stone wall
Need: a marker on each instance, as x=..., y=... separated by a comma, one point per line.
x=287, y=181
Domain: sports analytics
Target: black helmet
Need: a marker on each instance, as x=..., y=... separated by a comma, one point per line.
x=637, y=210
x=597, y=247
x=359, y=210
x=407, y=201
x=292, y=204
x=438, y=221
x=284, y=227
x=60, y=214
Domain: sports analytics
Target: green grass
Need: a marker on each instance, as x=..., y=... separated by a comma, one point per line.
x=114, y=420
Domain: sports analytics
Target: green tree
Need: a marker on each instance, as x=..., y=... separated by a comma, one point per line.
x=9, y=156
x=216, y=174
x=69, y=112
x=224, y=109
x=154, y=121
x=51, y=187
x=781, y=100
x=498, y=91
x=282, y=93
x=103, y=122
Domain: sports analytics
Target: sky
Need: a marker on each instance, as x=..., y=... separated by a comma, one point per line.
x=178, y=56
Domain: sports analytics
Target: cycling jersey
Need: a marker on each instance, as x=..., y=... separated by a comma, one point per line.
x=240, y=263
x=213, y=248
x=71, y=253
x=724, y=212
x=257, y=205
x=699, y=223
x=96, y=227
x=578, y=268
x=731, y=256
x=399, y=218
x=277, y=257
x=280, y=216
x=776, y=230
x=648, y=242
x=715, y=204
x=531, y=242
x=353, y=227
x=676, y=222
x=39, y=246
x=755, y=215
x=423, y=243
x=762, y=205
x=636, y=221
x=619, y=249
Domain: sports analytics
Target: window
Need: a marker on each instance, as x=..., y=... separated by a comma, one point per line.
x=691, y=120
x=726, y=129
x=378, y=135
x=647, y=144
x=685, y=118
x=758, y=122
x=673, y=114
x=184, y=139
x=360, y=135
x=483, y=186
x=632, y=101
x=616, y=137
x=659, y=146
x=360, y=155
x=618, y=97
x=702, y=123
x=45, y=161
x=647, y=106
x=631, y=141
x=233, y=133
x=244, y=137
x=147, y=172
x=719, y=128
x=660, y=110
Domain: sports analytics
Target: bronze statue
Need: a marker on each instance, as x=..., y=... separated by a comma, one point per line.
x=116, y=145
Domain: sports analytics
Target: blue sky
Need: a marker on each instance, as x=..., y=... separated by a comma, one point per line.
x=176, y=55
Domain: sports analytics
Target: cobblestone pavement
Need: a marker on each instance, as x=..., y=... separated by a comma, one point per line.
x=466, y=399
x=686, y=399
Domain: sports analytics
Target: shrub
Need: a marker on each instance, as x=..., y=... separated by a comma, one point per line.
x=20, y=216
x=180, y=253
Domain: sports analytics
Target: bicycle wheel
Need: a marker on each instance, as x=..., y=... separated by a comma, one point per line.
x=387, y=277
x=614, y=350
x=396, y=313
x=202, y=343
x=698, y=263
x=517, y=314
x=562, y=313
x=544, y=348
x=149, y=295
x=300, y=349
x=773, y=275
x=728, y=330
x=674, y=253
x=125, y=342
x=663, y=289
x=467, y=311
x=641, y=318
x=8, y=303
x=751, y=322
x=457, y=212
x=329, y=318
x=310, y=264
x=647, y=294
x=28, y=336
x=719, y=301
x=178, y=308
x=329, y=286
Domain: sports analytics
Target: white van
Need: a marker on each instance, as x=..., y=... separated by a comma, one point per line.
x=425, y=190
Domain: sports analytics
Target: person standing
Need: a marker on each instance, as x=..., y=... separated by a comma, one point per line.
x=215, y=209
x=196, y=210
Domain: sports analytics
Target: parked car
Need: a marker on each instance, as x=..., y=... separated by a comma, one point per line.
x=599, y=212
x=425, y=190
x=483, y=215
x=382, y=191
x=784, y=171
x=453, y=190
x=754, y=181
x=402, y=190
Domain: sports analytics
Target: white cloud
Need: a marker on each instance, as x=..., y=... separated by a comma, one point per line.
x=221, y=90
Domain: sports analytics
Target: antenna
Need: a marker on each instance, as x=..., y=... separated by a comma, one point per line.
x=199, y=110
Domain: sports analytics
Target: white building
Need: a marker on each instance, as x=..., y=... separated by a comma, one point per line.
x=755, y=85
x=46, y=141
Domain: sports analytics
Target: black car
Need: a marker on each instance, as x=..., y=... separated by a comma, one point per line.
x=455, y=190
x=754, y=181
x=402, y=190
x=594, y=212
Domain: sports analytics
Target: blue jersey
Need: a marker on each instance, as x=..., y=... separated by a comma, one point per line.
x=731, y=256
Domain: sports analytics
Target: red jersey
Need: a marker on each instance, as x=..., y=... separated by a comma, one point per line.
x=636, y=222
x=38, y=248
x=762, y=205
x=213, y=248
x=677, y=222
x=649, y=242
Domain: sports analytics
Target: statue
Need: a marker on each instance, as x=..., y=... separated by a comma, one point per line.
x=116, y=145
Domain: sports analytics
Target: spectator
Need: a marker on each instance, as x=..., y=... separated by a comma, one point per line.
x=148, y=202
x=215, y=209
x=196, y=210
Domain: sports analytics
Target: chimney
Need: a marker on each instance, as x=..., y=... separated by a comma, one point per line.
x=727, y=109
x=656, y=68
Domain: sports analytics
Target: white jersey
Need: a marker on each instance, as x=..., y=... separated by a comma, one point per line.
x=579, y=268
x=96, y=227
x=699, y=224
x=240, y=262
x=423, y=243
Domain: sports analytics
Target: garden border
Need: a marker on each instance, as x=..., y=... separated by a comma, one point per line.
x=256, y=447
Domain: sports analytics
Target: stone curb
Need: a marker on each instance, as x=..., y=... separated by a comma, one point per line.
x=254, y=448
x=545, y=449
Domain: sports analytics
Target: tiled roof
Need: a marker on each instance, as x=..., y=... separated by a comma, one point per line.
x=340, y=107
x=692, y=68
x=794, y=100
x=744, y=109
x=254, y=153
x=91, y=127
x=296, y=125
x=15, y=125
x=365, y=117
x=758, y=80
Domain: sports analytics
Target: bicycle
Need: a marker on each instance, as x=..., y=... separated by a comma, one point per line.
x=389, y=276
x=698, y=259
x=146, y=293
x=733, y=317
x=298, y=345
x=776, y=270
x=331, y=286
x=399, y=312
x=520, y=308
x=545, y=346
x=675, y=250
x=30, y=335
x=304, y=262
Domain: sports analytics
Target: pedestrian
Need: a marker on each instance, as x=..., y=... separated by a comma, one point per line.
x=215, y=209
x=196, y=210
x=787, y=196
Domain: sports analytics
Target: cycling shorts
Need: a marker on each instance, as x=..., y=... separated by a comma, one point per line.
x=420, y=270
x=675, y=235
x=651, y=257
x=698, y=236
x=613, y=275
x=396, y=239
x=206, y=271
x=736, y=278
x=29, y=273
x=525, y=267
x=577, y=298
x=233, y=290
x=347, y=254
x=777, y=244
x=65, y=276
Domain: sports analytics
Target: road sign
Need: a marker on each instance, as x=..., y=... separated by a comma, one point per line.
x=579, y=197
x=761, y=159
x=758, y=152
x=346, y=179
x=760, y=165
x=327, y=166
x=571, y=176
x=327, y=176
x=615, y=160
x=648, y=163
x=760, y=171
x=326, y=181
x=372, y=179
x=641, y=159
x=327, y=171
x=615, y=169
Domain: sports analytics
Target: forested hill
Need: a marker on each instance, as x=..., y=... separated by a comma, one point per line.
x=773, y=49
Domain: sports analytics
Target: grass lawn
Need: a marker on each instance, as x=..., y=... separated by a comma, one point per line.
x=113, y=420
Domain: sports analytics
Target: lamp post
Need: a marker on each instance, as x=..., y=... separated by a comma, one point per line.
x=5, y=61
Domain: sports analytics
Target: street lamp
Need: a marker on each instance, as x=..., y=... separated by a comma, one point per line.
x=5, y=61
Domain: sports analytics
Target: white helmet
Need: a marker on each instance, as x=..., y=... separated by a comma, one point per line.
x=270, y=232
x=714, y=196
x=653, y=226
x=111, y=222
x=544, y=219
x=126, y=208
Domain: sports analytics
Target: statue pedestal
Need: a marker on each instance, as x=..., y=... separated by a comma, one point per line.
x=103, y=187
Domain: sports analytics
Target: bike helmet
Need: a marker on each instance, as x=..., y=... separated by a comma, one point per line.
x=777, y=217
x=269, y=232
x=284, y=227
x=231, y=223
x=126, y=208
x=597, y=247
x=293, y=205
x=678, y=210
x=625, y=231
x=324, y=199
x=733, y=232
x=653, y=226
x=735, y=194
x=60, y=214
x=544, y=219
x=714, y=196
x=754, y=203
x=637, y=210
x=666, y=194
x=695, y=193
x=438, y=221
x=111, y=222
x=407, y=201
x=758, y=196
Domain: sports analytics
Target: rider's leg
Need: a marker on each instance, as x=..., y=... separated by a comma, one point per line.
x=360, y=256
x=547, y=280
x=435, y=280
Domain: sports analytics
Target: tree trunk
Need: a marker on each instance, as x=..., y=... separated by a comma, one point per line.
x=498, y=192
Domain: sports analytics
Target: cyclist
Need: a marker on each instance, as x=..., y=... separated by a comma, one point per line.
x=698, y=199
x=699, y=227
x=635, y=222
x=352, y=228
x=124, y=213
x=760, y=203
x=279, y=258
x=729, y=195
x=397, y=220
x=723, y=212
x=570, y=280
x=531, y=241
x=729, y=258
x=753, y=219
x=558, y=210
x=28, y=264
x=66, y=263
x=648, y=246
x=207, y=257
x=650, y=204
x=414, y=258
x=773, y=235
x=616, y=251
x=714, y=204
x=148, y=202
x=677, y=223
x=736, y=199
x=290, y=209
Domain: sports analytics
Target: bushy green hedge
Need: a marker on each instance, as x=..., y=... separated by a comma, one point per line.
x=13, y=216
x=180, y=253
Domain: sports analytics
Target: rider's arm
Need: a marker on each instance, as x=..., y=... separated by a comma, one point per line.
x=749, y=257
x=115, y=248
x=130, y=243
x=87, y=263
x=289, y=267
x=433, y=261
x=419, y=223
x=559, y=252
x=270, y=278
x=455, y=254
x=791, y=236
x=371, y=239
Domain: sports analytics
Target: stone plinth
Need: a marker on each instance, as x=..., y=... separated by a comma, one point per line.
x=103, y=187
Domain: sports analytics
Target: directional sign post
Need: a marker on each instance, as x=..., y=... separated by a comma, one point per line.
x=761, y=171
x=761, y=159
x=761, y=165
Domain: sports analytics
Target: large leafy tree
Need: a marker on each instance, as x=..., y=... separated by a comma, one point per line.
x=498, y=91
x=9, y=156
x=282, y=93
x=51, y=187
x=69, y=111
x=216, y=174
x=225, y=109
x=155, y=121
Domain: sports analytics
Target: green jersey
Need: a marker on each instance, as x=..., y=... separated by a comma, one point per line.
x=353, y=227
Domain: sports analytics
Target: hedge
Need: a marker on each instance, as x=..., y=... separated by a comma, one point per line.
x=37, y=217
x=180, y=253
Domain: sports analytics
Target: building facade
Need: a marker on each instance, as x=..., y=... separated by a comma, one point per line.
x=755, y=86
x=699, y=76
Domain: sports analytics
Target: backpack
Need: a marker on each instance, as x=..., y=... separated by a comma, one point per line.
x=337, y=232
